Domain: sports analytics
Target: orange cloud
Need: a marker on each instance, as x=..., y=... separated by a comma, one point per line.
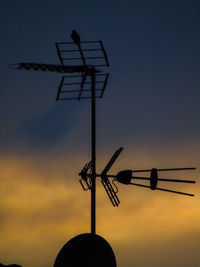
x=43, y=206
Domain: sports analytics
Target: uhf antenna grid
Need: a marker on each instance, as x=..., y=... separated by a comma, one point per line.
x=92, y=53
x=72, y=87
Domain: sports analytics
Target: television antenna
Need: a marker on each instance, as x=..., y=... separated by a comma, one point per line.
x=90, y=55
x=125, y=177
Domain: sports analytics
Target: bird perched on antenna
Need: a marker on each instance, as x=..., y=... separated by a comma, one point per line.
x=75, y=37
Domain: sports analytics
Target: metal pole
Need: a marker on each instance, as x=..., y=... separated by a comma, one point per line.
x=93, y=188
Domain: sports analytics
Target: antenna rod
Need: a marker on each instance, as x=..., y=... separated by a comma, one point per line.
x=93, y=178
x=173, y=169
x=166, y=190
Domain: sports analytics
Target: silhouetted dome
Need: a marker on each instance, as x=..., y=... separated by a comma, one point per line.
x=86, y=250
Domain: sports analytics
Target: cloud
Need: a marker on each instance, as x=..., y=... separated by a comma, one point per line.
x=43, y=206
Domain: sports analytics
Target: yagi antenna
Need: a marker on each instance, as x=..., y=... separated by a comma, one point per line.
x=82, y=79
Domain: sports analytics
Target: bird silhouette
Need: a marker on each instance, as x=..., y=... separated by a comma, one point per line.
x=75, y=37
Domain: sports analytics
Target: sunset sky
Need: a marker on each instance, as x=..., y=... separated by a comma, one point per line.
x=150, y=107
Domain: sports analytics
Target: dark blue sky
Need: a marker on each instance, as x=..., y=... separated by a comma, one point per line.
x=153, y=49
x=151, y=103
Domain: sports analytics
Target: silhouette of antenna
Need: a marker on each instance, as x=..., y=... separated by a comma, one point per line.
x=83, y=80
x=125, y=177
x=88, y=82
